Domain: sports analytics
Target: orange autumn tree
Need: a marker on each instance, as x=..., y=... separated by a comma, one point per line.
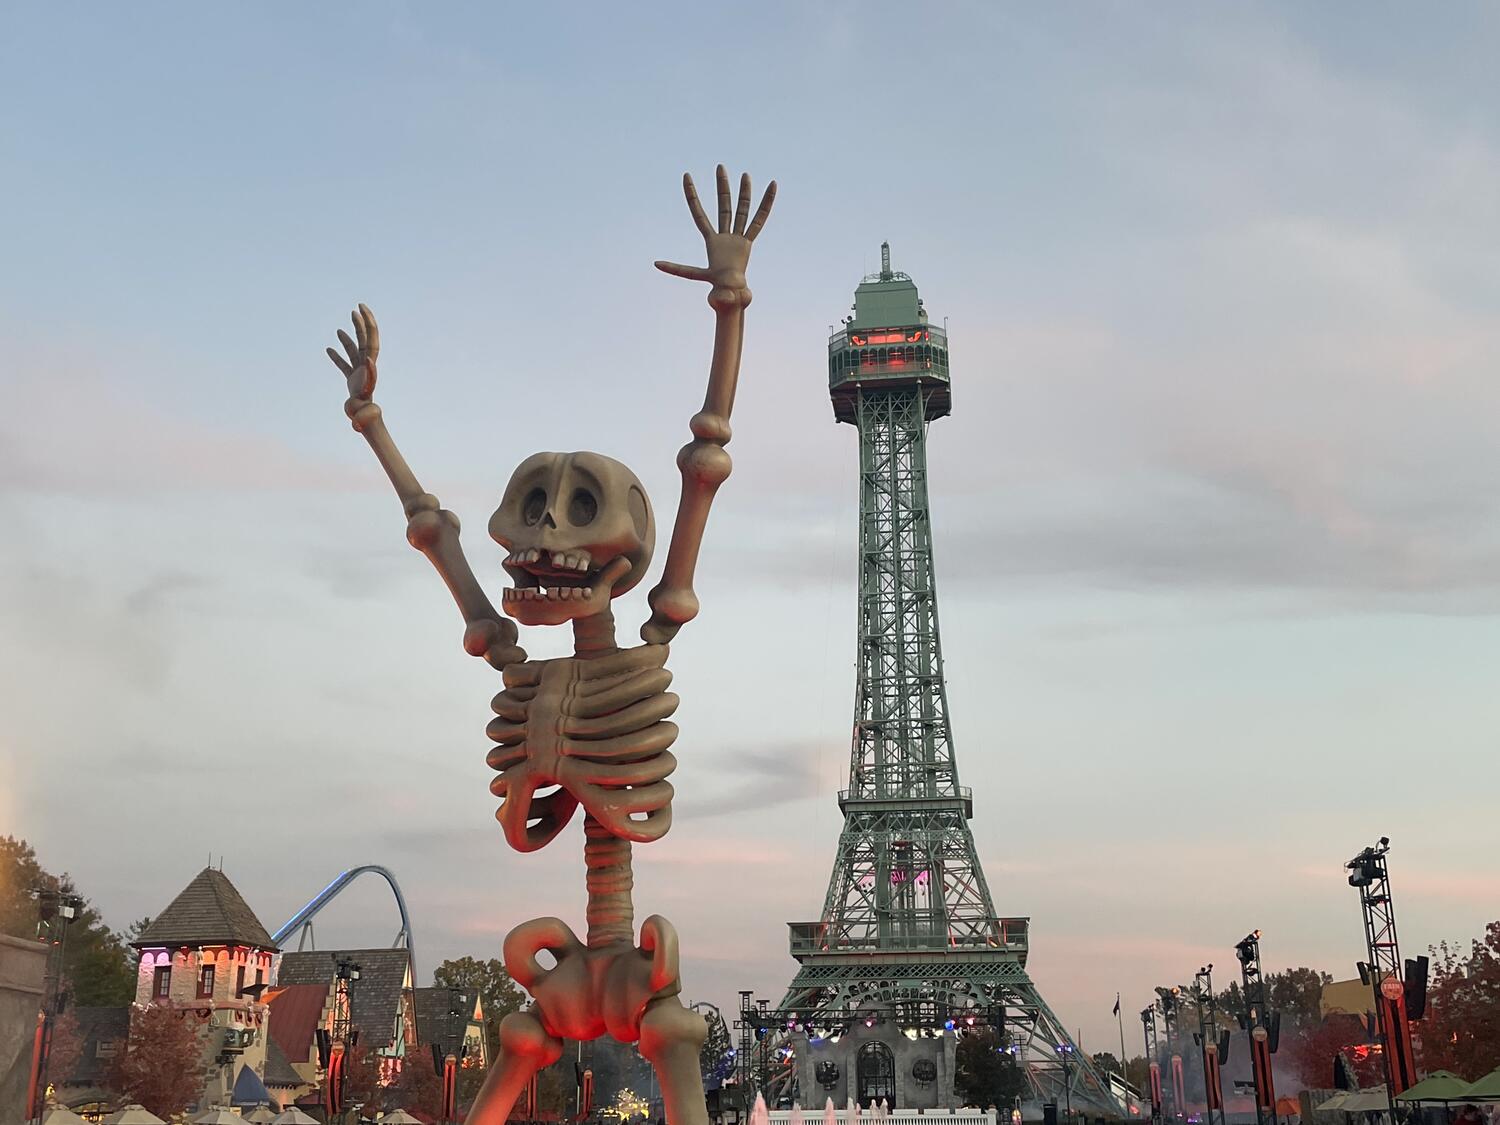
x=1461, y=1031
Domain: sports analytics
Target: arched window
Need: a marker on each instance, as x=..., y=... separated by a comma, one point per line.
x=875, y=1073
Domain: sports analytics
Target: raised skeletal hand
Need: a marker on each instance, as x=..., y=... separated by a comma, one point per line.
x=728, y=244
x=359, y=367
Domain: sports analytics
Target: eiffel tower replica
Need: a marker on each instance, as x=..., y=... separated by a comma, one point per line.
x=909, y=953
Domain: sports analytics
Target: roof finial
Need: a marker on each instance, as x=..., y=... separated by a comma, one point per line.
x=885, y=261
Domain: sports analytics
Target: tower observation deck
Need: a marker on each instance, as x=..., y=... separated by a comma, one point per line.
x=909, y=951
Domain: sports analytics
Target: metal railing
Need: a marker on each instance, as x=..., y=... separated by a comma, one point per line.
x=931, y=932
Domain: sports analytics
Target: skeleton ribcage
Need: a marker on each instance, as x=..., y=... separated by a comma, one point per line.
x=585, y=731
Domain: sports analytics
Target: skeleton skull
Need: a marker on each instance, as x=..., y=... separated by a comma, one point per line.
x=579, y=530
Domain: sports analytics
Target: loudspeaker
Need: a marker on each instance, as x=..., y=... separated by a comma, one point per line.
x=1273, y=1032
x=1416, y=987
x=1049, y=1113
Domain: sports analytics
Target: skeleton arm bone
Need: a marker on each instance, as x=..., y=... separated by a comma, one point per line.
x=430, y=528
x=703, y=462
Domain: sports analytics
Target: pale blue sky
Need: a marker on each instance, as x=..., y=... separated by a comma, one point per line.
x=1218, y=531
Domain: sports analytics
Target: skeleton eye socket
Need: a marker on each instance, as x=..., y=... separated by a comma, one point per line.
x=534, y=507
x=582, y=508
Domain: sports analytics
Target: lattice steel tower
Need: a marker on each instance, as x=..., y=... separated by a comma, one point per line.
x=909, y=939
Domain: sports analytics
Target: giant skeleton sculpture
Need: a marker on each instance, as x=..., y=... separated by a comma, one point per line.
x=591, y=729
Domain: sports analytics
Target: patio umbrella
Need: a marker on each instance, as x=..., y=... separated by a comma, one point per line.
x=133, y=1115
x=1486, y=1089
x=217, y=1116
x=1334, y=1103
x=1288, y=1106
x=292, y=1116
x=399, y=1117
x=1372, y=1100
x=61, y=1116
x=261, y=1115
x=1439, y=1086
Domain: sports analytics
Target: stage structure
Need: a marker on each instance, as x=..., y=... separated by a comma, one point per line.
x=909, y=952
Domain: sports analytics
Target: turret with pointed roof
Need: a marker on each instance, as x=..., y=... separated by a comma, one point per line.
x=209, y=911
x=208, y=953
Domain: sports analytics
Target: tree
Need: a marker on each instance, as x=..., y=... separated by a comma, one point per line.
x=418, y=1087
x=1310, y=1051
x=362, y=1081
x=161, y=1066
x=1461, y=1031
x=97, y=967
x=1297, y=994
x=498, y=994
x=985, y=1072
x=1106, y=1061
x=1138, y=1073
x=66, y=1050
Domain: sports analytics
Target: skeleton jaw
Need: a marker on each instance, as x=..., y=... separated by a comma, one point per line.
x=558, y=586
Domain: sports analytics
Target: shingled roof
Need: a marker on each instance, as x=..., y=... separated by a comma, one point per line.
x=98, y=1027
x=374, y=999
x=207, y=912
x=436, y=1020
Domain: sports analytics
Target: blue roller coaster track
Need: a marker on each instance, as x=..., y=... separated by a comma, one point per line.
x=303, y=919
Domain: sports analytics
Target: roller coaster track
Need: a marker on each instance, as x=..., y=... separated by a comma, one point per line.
x=303, y=918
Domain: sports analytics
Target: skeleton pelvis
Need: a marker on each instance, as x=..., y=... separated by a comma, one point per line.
x=585, y=731
x=592, y=992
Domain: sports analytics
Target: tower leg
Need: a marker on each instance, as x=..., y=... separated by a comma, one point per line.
x=525, y=1048
x=671, y=1037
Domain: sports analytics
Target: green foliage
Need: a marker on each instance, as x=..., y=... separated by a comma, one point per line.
x=1106, y=1061
x=97, y=966
x=985, y=1073
x=498, y=994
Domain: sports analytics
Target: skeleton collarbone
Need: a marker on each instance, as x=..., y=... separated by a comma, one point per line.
x=590, y=731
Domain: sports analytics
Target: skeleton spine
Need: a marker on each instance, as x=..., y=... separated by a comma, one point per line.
x=611, y=914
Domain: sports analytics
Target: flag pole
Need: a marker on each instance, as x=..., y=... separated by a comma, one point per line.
x=1120, y=1020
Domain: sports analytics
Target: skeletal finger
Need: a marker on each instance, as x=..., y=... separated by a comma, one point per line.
x=762, y=213
x=742, y=208
x=351, y=347
x=692, y=273
x=359, y=330
x=339, y=361
x=723, y=178
x=699, y=218
x=372, y=331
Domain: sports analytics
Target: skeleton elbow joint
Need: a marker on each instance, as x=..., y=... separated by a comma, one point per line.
x=705, y=462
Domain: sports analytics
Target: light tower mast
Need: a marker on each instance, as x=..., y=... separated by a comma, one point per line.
x=909, y=951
